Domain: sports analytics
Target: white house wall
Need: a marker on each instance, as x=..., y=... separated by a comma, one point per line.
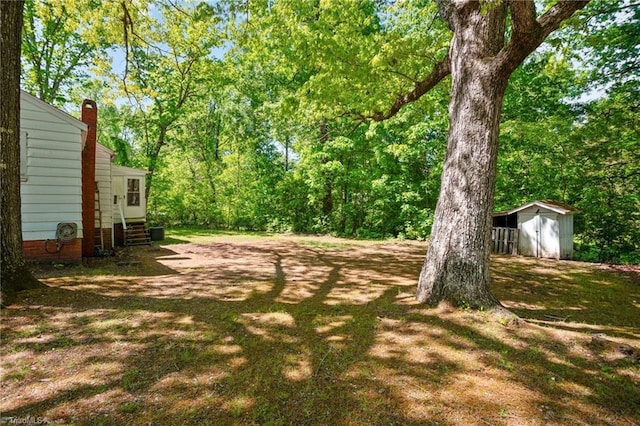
x=52, y=190
x=103, y=178
x=528, y=235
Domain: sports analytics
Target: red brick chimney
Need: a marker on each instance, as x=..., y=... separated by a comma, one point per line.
x=90, y=117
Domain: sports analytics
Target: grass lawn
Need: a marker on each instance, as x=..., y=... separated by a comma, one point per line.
x=242, y=329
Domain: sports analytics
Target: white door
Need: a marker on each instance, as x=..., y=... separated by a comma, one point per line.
x=549, y=236
x=539, y=235
x=134, y=197
x=528, y=238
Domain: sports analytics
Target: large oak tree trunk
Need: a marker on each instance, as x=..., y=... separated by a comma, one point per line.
x=482, y=56
x=14, y=274
x=456, y=268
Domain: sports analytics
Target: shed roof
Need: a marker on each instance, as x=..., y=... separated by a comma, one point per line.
x=555, y=206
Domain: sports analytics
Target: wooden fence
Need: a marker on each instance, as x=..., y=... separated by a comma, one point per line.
x=504, y=240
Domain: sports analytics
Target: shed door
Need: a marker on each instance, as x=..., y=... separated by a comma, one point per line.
x=539, y=235
x=549, y=236
x=528, y=239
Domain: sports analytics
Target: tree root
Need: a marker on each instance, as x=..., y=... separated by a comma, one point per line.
x=505, y=316
x=16, y=282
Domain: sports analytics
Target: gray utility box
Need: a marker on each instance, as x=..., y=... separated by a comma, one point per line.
x=157, y=233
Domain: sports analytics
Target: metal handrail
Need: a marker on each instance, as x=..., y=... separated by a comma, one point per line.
x=124, y=222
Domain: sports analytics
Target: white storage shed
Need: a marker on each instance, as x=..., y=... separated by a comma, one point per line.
x=545, y=228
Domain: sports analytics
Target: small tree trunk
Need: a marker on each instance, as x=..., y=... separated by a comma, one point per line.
x=153, y=155
x=14, y=274
x=456, y=268
x=327, y=199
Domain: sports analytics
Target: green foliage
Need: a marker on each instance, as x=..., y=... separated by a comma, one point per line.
x=56, y=53
x=607, y=145
x=249, y=114
x=584, y=154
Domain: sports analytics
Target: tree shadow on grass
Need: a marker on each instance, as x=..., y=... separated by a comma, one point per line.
x=259, y=360
x=568, y=295
x=284, y=334
x=128, y=261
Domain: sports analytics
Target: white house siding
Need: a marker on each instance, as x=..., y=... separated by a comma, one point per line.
x=103, y=178
x=52, y=190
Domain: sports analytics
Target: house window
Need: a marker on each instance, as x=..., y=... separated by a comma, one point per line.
x=133, y=192
x=23, y=155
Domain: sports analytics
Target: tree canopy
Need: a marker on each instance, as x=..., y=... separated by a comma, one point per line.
x=332, y=116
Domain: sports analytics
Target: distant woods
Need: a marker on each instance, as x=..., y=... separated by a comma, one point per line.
x=254, y=115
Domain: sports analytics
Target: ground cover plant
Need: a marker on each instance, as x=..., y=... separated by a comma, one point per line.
x=257, y=329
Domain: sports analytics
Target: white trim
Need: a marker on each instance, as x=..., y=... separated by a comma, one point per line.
x=24, y=155
x=123, y=170
x=552, y=207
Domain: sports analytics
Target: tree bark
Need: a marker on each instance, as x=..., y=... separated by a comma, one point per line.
x=153, y=155
x=456, y=268
x=327, y=199
x=14, y=274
